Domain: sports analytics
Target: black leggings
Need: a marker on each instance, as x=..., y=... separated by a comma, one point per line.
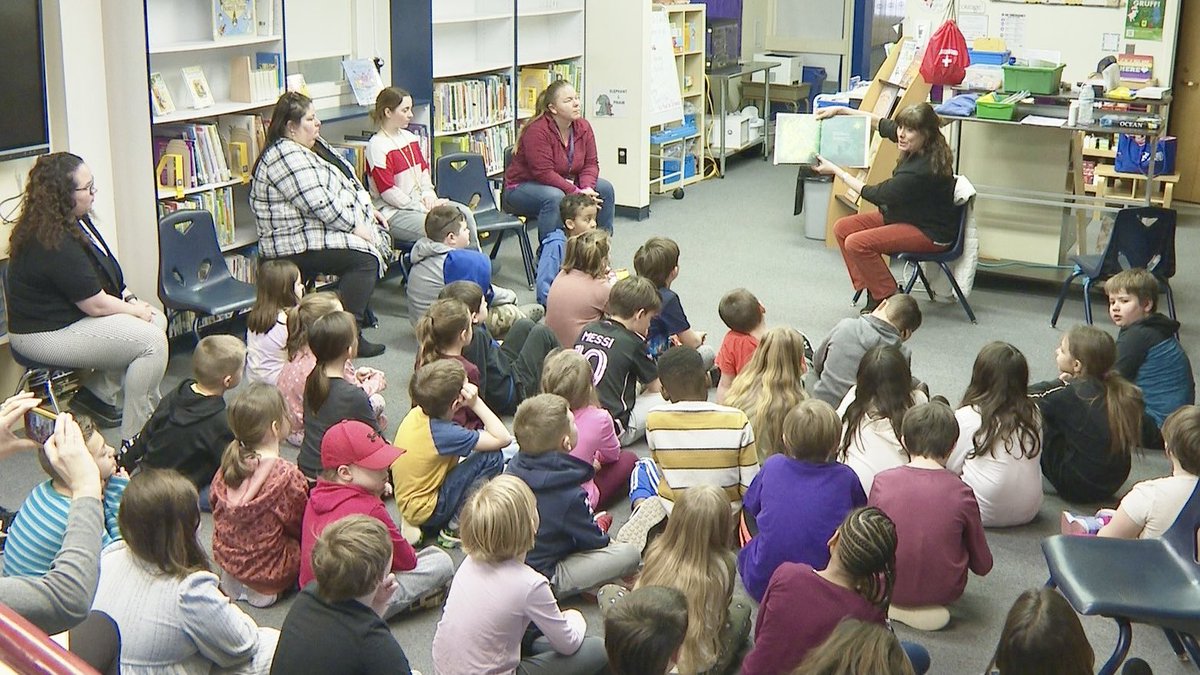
x=526, y=347
x=357, y=274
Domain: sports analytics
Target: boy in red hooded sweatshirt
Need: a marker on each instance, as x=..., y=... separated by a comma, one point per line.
x=355, y=462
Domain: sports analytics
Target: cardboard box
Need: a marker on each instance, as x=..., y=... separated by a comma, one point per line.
x=737, y=131
x=789, y=70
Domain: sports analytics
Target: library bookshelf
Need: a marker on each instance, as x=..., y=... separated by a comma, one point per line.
x=679, y=161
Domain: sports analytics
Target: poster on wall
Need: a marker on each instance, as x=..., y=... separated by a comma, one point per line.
x=1144, y=19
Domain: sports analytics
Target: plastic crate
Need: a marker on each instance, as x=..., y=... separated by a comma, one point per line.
x=672, y=134
x=985, y=110
x=671, y=172
x=982, y=58
x=1033, y=79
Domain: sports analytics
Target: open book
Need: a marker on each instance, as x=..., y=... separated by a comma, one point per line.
x=844, y=140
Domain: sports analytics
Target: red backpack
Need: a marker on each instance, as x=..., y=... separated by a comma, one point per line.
x=946, y=57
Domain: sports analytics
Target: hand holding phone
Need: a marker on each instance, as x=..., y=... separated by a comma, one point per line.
x=39, y=424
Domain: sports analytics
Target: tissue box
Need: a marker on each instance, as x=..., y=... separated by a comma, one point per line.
x=737, y=131
x=789, y=70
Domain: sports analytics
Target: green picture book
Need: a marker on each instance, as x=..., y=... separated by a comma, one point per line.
x=844, y=140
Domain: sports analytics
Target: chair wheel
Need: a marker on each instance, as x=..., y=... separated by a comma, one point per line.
x=677, y=193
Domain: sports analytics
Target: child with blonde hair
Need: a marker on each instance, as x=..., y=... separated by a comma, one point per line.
x=278, y=291
x=799, y=499
x=328, y=397
x=857, y=647
x=770, y=385
x=1091, y=418
x=693, y=556
x=301, y=361
x=495, y=596
x=568, y=374
x=1000, y=436
x=579, y=294
x=258, y=501
x=873, y=411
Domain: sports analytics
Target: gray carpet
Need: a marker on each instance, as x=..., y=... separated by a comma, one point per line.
x=739, y=231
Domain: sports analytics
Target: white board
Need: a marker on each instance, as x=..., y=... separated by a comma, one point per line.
x=665, y=102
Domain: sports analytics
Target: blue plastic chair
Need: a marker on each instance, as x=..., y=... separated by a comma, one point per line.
x=1141, y=237
x=1149, y=581
x=192, y=274
x=941, y=258
x=462, y=177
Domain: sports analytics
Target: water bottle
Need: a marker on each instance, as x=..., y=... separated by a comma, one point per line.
x=1087, y=99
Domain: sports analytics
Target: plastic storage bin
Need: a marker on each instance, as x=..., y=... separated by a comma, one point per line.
x=991, y=110
x=816, y=205
x=1036, y=80
x=815, y=77
x=983, y=58
x=986, y=78
x=671, y=172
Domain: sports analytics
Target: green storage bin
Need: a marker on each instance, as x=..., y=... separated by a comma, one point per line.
x=994, y=111
x=1034, y=79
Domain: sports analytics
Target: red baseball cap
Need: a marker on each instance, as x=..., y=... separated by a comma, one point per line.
x=353, y=442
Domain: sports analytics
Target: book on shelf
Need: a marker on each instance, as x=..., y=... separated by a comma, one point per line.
x=364, y=80
x=242, y=137
x=218, y=202
x=354, y=151
x=249, y=83
x=464, y=104
x=160, y=95
x=533, y=80
x=844, y=140
x=207, y=162
x=197, y=86
x=233, y=18
x=271, y=61
x=489, y=143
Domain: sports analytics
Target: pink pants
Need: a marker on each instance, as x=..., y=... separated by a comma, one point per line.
x=864, y=238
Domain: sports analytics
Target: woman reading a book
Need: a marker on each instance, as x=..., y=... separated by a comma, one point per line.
x=556, y=156
x=400, y=184
x=312, y=210
x=916, y=205
x=68, y=306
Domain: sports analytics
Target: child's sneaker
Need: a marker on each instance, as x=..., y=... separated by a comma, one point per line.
x=603, y=521
x=649, y=513
x=431, y=600
x=1084, y=525
x=237, y=591
x=448, y=538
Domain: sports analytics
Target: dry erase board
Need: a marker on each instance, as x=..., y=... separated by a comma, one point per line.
x=665, y=103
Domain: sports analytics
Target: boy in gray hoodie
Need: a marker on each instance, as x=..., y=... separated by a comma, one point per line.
x=835, y=363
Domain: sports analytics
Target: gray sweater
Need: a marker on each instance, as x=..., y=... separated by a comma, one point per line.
x=836, y=359
x=61, y=599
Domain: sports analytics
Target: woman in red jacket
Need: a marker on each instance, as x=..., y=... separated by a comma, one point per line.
x=556, y=156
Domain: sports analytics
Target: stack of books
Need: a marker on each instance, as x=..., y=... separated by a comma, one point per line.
x=469, y=104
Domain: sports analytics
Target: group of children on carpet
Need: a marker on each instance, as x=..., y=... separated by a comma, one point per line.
x=841, y=503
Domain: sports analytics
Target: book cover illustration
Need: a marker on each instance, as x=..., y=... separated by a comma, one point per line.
x=160, y=96
x=364, y=80
x=844, y=140
x=233, y=18
x=197, y=86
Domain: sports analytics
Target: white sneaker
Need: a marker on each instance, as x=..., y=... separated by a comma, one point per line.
x=411, y=533
x=237, y=591
x=649, y=513
x=929, y=617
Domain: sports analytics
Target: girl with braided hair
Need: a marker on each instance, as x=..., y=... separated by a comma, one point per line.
x=802, y=606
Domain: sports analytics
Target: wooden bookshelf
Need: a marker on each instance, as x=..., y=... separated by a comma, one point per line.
x=680, y=162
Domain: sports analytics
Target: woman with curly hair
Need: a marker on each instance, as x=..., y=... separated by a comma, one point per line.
x=67, y=301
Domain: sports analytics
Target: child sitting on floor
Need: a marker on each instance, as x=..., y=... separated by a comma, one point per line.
x=744, y=315
x=37, y=534
x=1042, y=636
x=937, y=521
x=578, y=215
x=445, y=332
x=857, y=647
x=571, y=548
x=579, y=294
x=836, y=360
x=495, y=596
x=658, y=261
x=799, y=499
x=770, y=385
x=279, y=289
x=644, y=632
x=258, y=501
x=568, y=374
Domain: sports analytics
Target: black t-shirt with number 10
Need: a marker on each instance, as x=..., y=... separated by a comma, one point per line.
x=619, y=362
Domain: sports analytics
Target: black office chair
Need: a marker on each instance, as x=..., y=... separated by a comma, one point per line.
x=1150, y=581
x=1141, y=237
x=462, y=177
x=192, y=273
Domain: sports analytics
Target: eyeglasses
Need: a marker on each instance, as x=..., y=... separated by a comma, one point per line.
x=90, y=188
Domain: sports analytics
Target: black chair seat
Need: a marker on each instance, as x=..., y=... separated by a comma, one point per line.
x=492, y=221
x=1088, y=264
x=1143, y=581
x=225, y=296
x=30, y=364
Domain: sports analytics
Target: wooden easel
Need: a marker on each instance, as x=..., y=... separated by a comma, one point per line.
x=888, y=92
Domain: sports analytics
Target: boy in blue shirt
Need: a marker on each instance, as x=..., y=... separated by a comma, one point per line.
x=578, y=214
x=444, y=256
x=658, y=261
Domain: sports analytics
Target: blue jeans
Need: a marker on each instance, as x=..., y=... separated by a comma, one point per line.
x=917, y=655
x=459, y=484
x=534, y=200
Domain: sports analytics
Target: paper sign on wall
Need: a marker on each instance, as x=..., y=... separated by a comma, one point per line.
x=1144, y=19
x=972, y=7
x=973, y=26
x=1012, y=29
x=611, y=103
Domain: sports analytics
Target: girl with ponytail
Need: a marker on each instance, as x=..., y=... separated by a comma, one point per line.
x=802, y=606
x=1092, y=418
x=444, y=332
x=328, y=397
x=258, y=501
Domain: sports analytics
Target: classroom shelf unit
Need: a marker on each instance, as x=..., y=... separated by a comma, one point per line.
x=203, y=148
x=679, y=162
x=482, y=64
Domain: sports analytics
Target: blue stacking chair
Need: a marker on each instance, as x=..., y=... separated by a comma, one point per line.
x=462, y=177
x=1149, y=581
x=941, y=258
x=1141, y=237
x=192, y=274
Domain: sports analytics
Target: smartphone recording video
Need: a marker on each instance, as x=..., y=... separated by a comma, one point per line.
x=39, y=424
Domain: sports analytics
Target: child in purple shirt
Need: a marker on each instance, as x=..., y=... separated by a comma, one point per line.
x=799, y=498
x=937, y=521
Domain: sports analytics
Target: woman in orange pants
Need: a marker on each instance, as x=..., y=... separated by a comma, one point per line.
x=916, y=205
